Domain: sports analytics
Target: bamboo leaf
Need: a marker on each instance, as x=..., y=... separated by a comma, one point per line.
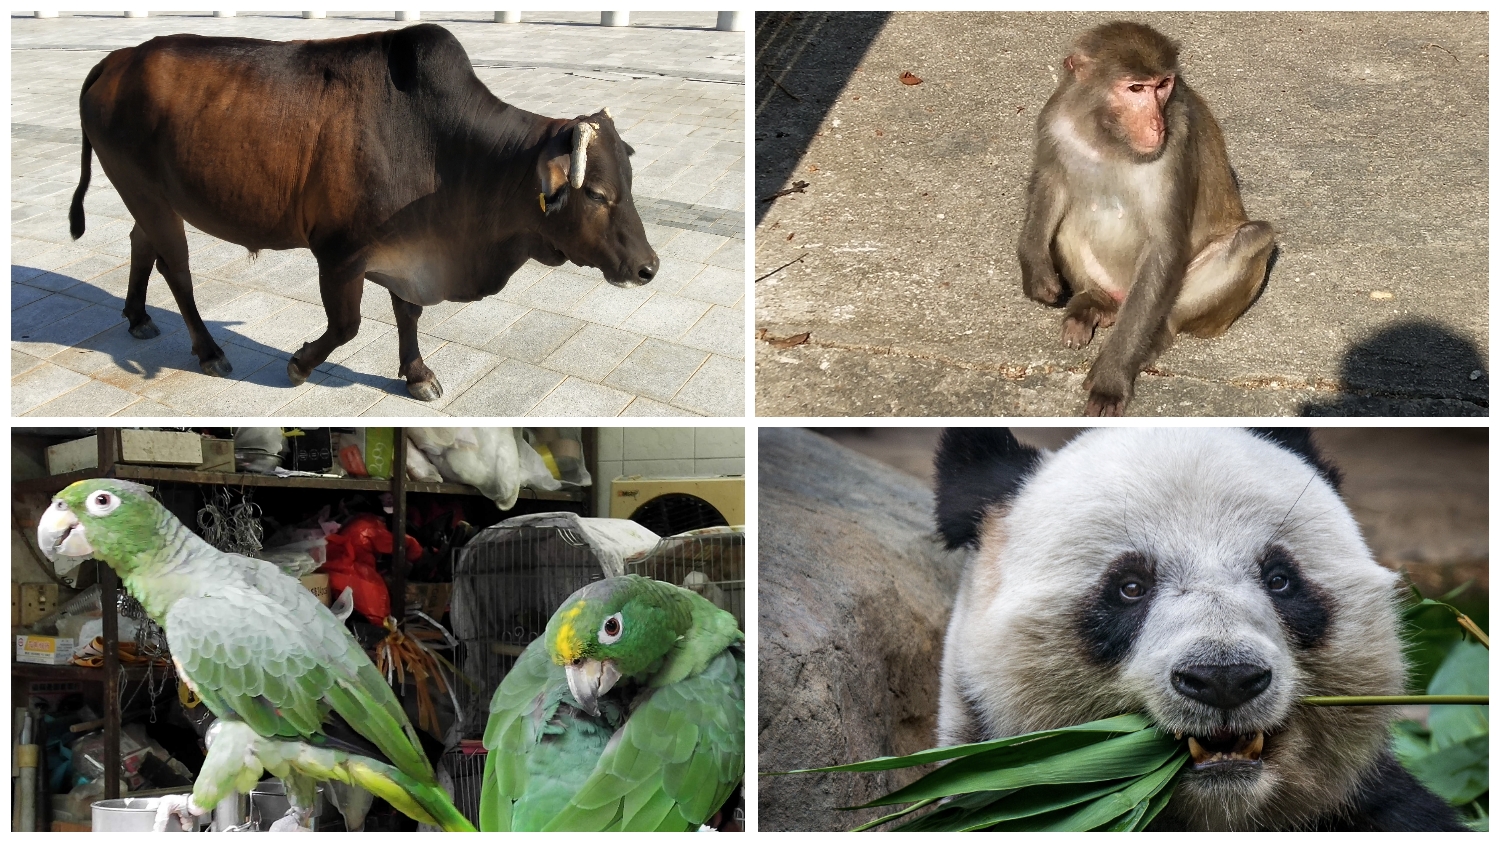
x=1028, y=802
x=1126, y=756
x=1113, y=725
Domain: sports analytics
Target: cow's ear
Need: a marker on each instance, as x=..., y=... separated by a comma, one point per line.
x=629, y=150
x=552, y=169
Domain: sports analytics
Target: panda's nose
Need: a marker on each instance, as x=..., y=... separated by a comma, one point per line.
x=1223, y=686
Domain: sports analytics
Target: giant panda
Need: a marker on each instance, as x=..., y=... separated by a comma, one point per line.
x=1208, y=578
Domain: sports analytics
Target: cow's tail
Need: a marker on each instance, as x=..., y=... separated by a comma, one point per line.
x=75, y=213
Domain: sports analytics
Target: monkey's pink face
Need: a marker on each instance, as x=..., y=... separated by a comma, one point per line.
x=1139, y=107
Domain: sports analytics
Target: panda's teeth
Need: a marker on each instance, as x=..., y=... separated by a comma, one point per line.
x=1257, y=743
x=1178, y=733
x=1200, y=755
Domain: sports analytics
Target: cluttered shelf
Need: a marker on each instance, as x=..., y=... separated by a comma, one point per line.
x=71, y=672
x=182, y=475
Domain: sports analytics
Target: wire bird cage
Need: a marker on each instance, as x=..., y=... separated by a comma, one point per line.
x=507, y=582
x=463, y=767
x=710, y=562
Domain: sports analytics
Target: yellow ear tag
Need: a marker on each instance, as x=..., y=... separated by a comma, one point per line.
x=541, y=199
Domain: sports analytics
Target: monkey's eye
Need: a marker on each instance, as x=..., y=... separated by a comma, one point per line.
x=1132, y=590
x=101, y=503
x=610, y=631
x=1137, y=88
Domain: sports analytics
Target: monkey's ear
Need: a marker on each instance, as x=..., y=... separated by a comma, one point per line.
x=1077, y=64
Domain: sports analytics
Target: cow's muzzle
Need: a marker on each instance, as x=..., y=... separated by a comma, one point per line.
x=642, y=274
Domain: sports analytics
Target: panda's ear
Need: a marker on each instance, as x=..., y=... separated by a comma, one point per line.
x=977, y=468
x=1298, y=440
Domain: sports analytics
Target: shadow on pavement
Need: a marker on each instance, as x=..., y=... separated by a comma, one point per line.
x=172, y=351
x=803, y=60
x=1408, y=362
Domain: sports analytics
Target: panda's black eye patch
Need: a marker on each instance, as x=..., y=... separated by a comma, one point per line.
x=1303, y=607
x=1110, y=618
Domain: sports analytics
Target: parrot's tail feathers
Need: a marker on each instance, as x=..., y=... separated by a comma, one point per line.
x=424, y=803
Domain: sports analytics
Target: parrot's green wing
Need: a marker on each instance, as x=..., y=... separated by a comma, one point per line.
x=677, y=758
x=276, y=658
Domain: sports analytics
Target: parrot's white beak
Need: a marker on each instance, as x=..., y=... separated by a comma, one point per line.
x=590, y=679
x=60, y=536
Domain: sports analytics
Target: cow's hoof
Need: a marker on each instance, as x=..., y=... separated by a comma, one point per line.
x=425, y=390
x=217, y=367
x=145, y=330
x=294, y=374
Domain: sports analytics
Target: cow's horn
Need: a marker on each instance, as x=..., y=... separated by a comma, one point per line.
x=607, y=114
x=580, y=163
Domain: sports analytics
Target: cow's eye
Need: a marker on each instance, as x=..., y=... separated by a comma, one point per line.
x=596, y=195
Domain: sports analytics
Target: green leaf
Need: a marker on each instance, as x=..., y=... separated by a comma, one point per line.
x=1123, y=802
x=1465, y=671
x=1027, y=802
x=1127, y=756
x=1097, y=730
x=1458, y=773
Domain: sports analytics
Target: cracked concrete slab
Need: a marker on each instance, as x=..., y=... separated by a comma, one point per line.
x=1363, y=137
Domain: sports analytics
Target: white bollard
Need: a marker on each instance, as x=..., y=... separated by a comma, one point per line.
x=223, y=14
x=137, y=14
x=314, y=15
x=507, y=17
x=44, y=14
x=408, y=16
x=731, y=22
x=614, y=19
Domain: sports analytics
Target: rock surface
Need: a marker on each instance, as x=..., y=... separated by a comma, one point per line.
x=854, y=596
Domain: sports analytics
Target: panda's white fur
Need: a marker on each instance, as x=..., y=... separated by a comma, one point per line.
x=1204, y=506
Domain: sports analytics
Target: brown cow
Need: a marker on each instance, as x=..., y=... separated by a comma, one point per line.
x=382, y=153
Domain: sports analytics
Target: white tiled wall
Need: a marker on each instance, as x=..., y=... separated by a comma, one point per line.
x=666, y=452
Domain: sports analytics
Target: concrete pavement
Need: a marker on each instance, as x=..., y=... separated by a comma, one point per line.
x=554, y=342
x=1362, y=137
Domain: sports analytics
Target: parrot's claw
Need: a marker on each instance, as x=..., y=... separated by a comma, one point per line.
x=293, y=820
x=181, y=806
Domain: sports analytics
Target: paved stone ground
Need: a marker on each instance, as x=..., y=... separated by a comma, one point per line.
x=1362, y=137
x=554, y=342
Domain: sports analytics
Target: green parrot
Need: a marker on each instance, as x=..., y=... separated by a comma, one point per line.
x=627, y=715
x=294, y=692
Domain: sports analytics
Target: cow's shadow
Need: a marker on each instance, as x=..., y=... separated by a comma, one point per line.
x=172, y=351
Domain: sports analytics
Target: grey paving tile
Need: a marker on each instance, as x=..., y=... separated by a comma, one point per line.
x=255, y=395
x=646, y=408
x=574, y=397
x=656, y=369
x=715, y=285
x=145, y=408
x=90, y=399
x=593, y=352
x=37, y=386
x=332, y=397
x=609, y=305
x=21, y=362
x=665, y=317
x=457, y=367
x=512, y=388
x=721, y=330
x=717, y=389
x=534, y=336
x=479, y=322
x=394, y=405
x=56, y=336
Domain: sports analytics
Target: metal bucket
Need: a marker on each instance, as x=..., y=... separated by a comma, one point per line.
x=268, y=803
x=135, y=813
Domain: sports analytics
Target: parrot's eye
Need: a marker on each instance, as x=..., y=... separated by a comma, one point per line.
x=609, y=633
x=102, y=503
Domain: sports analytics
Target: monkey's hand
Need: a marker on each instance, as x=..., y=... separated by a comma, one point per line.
x=1040, y=281
x=1109, y=392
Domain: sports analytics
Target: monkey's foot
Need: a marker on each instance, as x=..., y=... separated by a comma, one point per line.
x=1078, y=331
x=181, y=806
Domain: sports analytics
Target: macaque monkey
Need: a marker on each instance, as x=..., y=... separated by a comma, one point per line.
x=1133, y=216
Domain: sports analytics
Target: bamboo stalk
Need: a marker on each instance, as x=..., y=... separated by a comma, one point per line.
x=1411, y=699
